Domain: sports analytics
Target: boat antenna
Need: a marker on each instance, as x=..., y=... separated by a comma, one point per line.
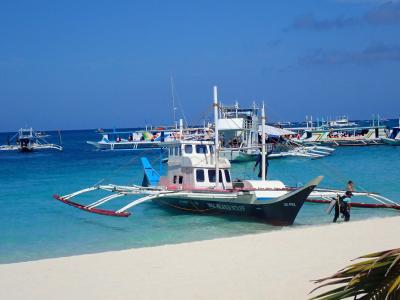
x=59, y=135
x=177, y=104
x=173, y=100
x=263, y=143
x=216, y=137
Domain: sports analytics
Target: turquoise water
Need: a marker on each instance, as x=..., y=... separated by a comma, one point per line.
x=34, y=225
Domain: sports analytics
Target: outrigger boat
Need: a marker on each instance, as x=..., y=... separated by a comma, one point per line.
x=342, y=121
x=241, y=132
x=133, y=140
x=351, y=136
x=199, y=181
x=28, y=140
x=339, y=133
x=156, y=138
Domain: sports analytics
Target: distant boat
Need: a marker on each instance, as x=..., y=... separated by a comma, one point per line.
x=145, y=139
x=346, y=136
x=131, y=140
x=28, y=140
x=393, y=137
x=241, y=130
x=342, y=121
x=282, y=124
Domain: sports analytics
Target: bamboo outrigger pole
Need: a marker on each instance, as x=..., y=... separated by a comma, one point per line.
x=216, y=137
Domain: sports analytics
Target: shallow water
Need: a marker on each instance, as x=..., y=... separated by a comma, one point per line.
x=34, y=225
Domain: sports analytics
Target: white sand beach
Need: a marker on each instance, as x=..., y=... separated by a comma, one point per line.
x=273, y=265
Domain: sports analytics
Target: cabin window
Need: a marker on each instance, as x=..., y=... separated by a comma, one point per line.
x=176, y=151
x=200, y=175
x=179, y=151
x=174, y=181
x=227, y=176
x=202, y=149
x=211, y=175
x=180, y=179
x=188, y=149
x=211, y=149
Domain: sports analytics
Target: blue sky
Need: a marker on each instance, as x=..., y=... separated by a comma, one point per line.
x=90, y=64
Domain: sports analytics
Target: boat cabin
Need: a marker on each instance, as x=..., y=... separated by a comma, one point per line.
x=238, y=126
x=191, y=165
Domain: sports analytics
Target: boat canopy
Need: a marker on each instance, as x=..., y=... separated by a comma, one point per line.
x=275, y=131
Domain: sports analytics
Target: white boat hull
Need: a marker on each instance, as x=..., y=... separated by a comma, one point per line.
x=126, y=145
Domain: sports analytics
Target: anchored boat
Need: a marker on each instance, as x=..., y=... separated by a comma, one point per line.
x=342, y=121
x=393, y=136
x=133, y=140
x=28, y=140
x=146, y=139
x=340, y=132
x=343, y=136
x=241, y=130
x=199, y=181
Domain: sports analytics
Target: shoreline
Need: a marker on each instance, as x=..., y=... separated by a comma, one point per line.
x=273, y=265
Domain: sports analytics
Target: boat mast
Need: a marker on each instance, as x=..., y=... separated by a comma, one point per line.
x=180, y=129
x=173, y=102
x=216, y=137
x=263, y=143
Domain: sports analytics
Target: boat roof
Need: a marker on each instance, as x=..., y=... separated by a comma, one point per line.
x=275, y=131
x=158, y=129
x=188, y=142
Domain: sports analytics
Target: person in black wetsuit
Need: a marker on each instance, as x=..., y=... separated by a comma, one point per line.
x=343, y=203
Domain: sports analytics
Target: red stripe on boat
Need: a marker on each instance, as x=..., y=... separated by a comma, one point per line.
x=93, y=210
x=358, y=204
